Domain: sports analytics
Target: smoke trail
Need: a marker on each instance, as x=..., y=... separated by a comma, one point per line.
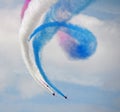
x=77, y=42
x=85, y=46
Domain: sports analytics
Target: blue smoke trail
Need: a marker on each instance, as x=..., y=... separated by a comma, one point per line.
x=81, y=35
x=62, y=12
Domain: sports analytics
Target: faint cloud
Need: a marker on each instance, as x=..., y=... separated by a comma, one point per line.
x=30, y=107
x=29, y=88
x=10, y=3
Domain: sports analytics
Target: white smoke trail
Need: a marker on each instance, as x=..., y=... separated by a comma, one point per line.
x=32, y=16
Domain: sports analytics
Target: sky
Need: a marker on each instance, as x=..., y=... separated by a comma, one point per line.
x=91, y=85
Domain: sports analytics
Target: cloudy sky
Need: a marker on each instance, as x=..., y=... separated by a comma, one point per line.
x=91, y=85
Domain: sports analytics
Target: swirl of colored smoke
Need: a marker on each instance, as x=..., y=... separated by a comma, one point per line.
x=77, y=42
